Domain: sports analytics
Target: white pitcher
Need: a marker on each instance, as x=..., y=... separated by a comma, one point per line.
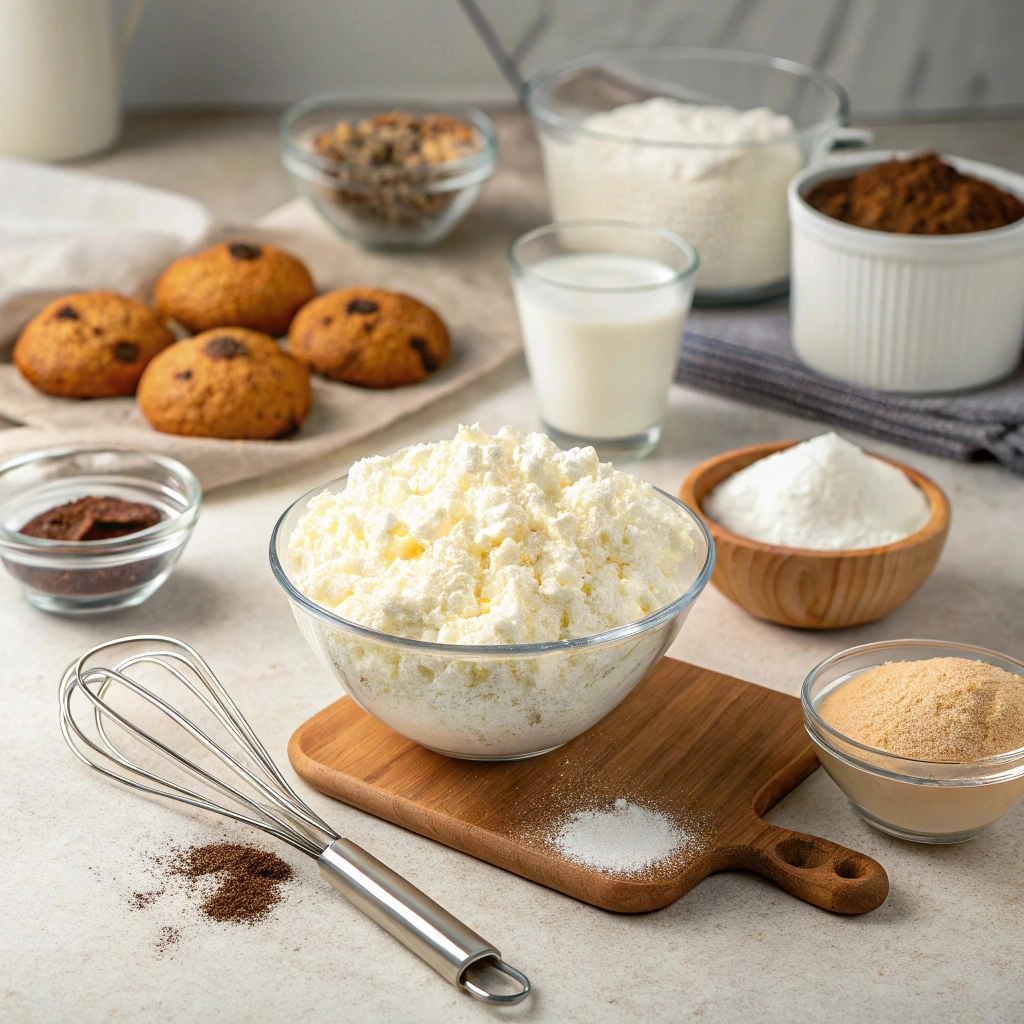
x=60, y=76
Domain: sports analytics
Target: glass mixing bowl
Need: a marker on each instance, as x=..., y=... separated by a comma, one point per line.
x=384, y=207
x=924, y=801
x=728, y=199
x=488, y=703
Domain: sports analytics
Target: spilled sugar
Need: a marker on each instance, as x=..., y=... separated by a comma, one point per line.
x=626, y=838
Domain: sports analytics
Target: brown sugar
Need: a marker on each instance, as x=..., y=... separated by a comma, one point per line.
x=940, y=709
x=920, y=196
x=250, y=879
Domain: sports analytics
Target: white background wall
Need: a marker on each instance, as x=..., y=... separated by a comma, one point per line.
x=893, y=55
x=276, y=51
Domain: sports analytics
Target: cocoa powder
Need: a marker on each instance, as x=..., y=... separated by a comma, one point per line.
x=88, y=519
x=92, y=518
x=919, y=196
x=249, y=882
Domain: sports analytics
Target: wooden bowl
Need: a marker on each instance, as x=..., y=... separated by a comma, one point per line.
x=816, y=589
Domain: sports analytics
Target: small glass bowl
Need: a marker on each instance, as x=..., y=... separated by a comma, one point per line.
x=923, y=801
x=89, y=577
x=495, y=702
x=402, y=208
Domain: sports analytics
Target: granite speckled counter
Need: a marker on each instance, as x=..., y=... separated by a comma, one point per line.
x=947, y=944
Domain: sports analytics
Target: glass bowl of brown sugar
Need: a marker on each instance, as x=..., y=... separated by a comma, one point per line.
x=925, y=737
x=91, y=530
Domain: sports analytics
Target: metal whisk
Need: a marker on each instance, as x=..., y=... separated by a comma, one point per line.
x=254, y=791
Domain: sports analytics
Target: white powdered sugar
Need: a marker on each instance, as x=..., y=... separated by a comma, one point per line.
x=722, y=185
x=625, y=839
x=824, y=494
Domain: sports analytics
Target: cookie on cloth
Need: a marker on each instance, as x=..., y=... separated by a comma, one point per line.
x=234, y=284
x=90, y=345
x=370, y=337
x=229, y=382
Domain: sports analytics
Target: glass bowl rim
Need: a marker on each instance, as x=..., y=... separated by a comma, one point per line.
x=428, y=647
x=543, y=113
x=826, y=734
x=485, y=157
x=603, y=222
x=185, y=519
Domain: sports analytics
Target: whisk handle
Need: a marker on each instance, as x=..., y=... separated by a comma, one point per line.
x=443, y=941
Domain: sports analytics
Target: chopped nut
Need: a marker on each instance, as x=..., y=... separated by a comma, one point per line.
x=395, y=153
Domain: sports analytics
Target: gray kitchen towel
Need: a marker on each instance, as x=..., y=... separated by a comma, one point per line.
x=746, y=354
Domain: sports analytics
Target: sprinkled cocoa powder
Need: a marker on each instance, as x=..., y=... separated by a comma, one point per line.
x=250, y=879
x=168, y=937
x=141, y=900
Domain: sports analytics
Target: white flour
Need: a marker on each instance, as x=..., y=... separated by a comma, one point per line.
x=625, y=838
x=727, y=196
x=826, y=494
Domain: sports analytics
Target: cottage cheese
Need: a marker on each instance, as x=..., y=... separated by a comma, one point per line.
x=722, y=186
x=487, y=540
x=490, y=540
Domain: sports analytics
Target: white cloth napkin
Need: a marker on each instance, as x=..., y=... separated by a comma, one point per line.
x=63, y=230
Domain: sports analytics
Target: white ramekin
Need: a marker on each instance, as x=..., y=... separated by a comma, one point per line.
x=913, y=313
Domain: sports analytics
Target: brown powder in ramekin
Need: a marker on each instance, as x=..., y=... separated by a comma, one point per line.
x=920, y=196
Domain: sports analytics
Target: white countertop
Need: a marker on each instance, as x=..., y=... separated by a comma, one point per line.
x=948, y=943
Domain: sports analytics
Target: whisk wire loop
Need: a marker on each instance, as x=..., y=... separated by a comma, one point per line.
x=286, y=815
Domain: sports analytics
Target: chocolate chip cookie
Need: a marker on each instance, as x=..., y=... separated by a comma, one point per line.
x=90, y=345
x=229, y=382
x=370, y=337
x=234, y=284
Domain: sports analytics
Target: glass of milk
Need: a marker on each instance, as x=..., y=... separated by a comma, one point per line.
x=601, y=308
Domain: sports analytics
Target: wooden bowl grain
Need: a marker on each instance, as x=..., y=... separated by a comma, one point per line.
x=812, y=589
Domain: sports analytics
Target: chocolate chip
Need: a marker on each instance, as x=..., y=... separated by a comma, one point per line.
x=183, y=375
x=224, y=347
x=430, y=364
x=327, y=321
x=242, y=251
x=362, y=306
x=98, y=331
x=126, y=352
x=67, y=313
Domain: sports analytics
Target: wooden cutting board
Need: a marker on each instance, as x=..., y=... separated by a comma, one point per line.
x=710, y=751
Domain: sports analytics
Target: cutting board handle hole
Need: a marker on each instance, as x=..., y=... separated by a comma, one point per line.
x=851, y=867
x=802, y=853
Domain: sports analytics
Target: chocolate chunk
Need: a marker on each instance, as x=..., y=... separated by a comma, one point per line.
x=183, y=375
x=126, y=352
x=430, y=364
x=290, y=428
x=67, y=313
x=242, y=251
x=224, y=347
x=362, y=306
x=92, y=518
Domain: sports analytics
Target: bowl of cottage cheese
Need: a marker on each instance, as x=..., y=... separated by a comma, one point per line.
x=490, y=596
x=702, y=142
